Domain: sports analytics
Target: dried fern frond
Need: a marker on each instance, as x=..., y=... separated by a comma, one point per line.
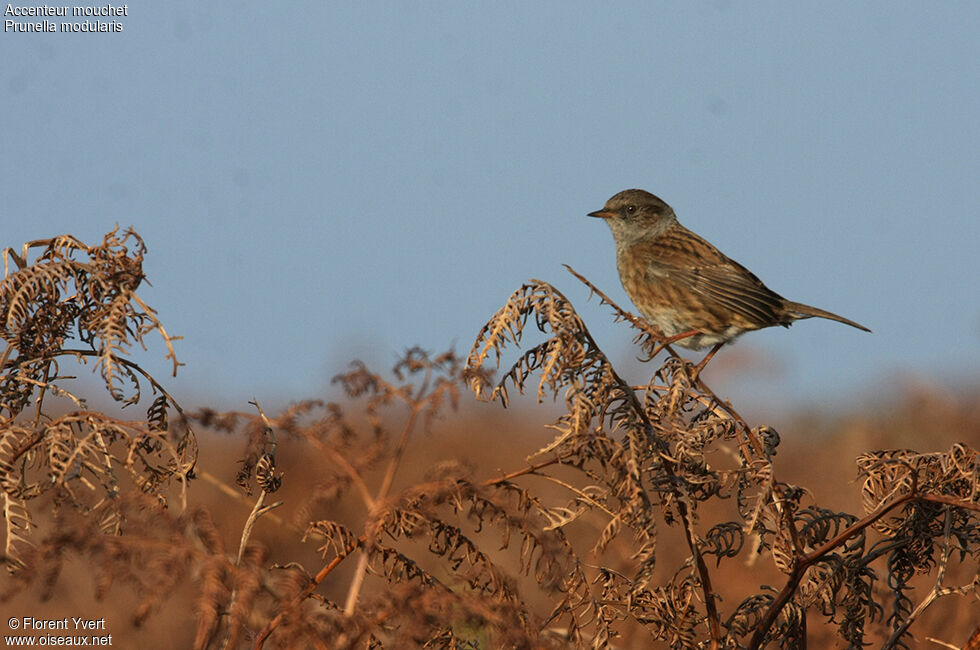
x=73, y=291
x=17, y=530
x=59, y=290
x=625, y=530
x=655, y=448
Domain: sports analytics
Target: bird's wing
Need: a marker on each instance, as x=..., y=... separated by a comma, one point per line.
x=695, y=266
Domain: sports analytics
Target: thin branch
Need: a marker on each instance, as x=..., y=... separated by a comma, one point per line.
x=530, y=469
x=120, y=360
x=808, y=559
x=360, y=573
x=351, y=471
x=258, y=510
x=937, y=590
x=307, y=591
x=711, y=610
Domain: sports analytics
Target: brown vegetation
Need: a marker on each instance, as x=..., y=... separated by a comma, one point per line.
x=649, y=516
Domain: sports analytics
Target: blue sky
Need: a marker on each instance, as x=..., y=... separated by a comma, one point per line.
x=324, y=181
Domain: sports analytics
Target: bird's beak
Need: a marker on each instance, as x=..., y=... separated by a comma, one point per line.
x=605, y=214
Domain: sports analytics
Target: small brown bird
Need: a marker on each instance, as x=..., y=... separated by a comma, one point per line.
x=686, y=287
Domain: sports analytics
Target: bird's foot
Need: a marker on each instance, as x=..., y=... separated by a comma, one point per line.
x=696, y=373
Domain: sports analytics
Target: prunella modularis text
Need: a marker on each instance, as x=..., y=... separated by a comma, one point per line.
x=684, y=286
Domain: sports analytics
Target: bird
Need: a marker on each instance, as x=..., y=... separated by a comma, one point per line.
x=688, y=289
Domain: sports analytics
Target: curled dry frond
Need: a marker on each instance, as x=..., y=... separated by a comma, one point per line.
x=892, y=473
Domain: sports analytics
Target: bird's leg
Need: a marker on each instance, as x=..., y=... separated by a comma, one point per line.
x=683, y=335
x=698, y=368
x=664, y=342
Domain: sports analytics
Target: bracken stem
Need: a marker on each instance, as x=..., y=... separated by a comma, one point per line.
x=361, y=572
x=309, y=589
x=805, y=561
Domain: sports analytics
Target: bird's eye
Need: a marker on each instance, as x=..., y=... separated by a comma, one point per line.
x=630, y=209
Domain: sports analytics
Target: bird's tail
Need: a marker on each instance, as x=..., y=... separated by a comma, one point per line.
x=800, y=310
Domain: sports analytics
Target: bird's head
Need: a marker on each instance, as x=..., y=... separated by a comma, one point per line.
x=635, y=214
